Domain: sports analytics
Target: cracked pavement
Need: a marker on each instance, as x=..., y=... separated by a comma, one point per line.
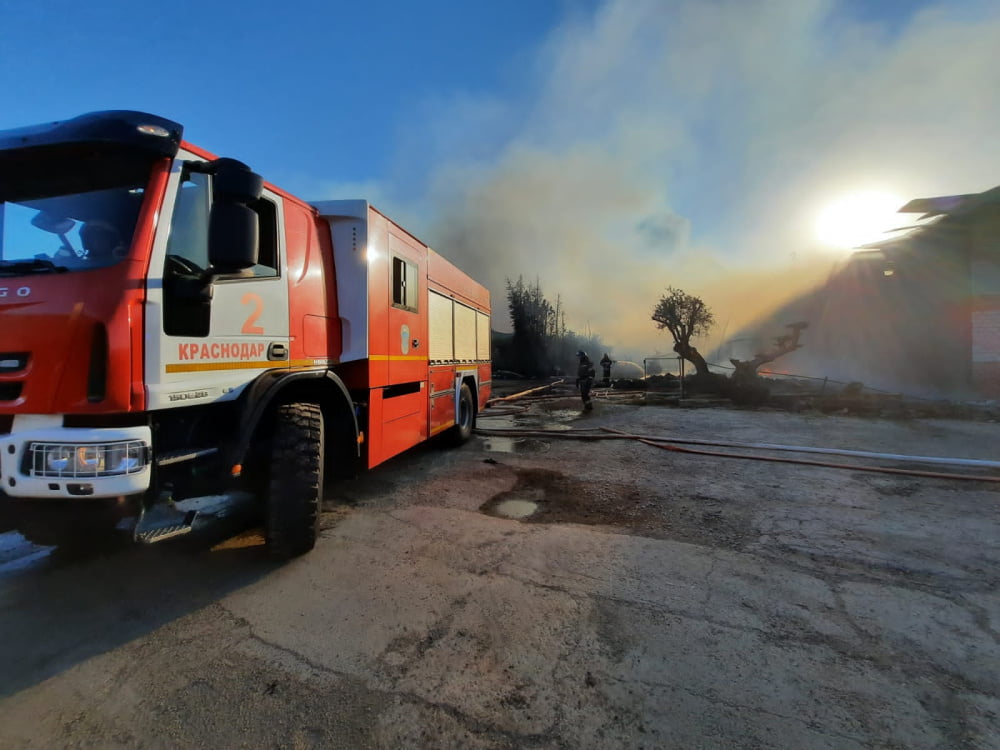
x=656, y=600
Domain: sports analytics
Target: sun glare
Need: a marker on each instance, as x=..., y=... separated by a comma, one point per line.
x=858, y=218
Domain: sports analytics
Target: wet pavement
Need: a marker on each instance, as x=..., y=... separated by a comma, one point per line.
x=636, y=598
x=17, y=554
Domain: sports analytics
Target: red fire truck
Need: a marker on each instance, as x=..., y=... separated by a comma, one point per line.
x=175, y=330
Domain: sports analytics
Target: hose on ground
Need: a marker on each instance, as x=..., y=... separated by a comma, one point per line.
x=503, y=411
x=521, y=394
x=527, y=397
x=973, y=462
x=665, y=443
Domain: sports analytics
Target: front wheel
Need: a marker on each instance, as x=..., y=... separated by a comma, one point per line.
x=295, y=488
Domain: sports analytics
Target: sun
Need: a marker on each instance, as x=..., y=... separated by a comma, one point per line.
x=858, y=218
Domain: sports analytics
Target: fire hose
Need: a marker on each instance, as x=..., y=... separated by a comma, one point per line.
x=671, y=444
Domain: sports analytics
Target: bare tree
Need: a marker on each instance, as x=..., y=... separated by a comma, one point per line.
x=746, y=370
x=686, y=317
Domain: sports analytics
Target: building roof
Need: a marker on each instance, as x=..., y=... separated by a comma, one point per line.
x=934, y=212
x=951, y=205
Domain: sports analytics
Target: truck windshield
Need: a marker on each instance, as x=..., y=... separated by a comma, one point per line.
x=76, y=231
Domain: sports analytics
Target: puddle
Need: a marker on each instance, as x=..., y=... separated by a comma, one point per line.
x=522, y=502
x=546, y=496
x=500, y=444
x=515, y=508
x=556, y=426
x=550, y=419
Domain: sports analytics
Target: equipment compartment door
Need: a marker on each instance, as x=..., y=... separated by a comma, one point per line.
x=405, y=400
x=407, y=342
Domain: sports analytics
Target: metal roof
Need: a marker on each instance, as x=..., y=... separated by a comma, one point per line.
x=951, y=205
x=934, y=212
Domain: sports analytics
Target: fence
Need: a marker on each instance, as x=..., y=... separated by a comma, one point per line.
x=823, y=385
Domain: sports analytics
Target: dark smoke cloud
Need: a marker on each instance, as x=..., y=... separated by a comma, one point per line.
x=692, y=144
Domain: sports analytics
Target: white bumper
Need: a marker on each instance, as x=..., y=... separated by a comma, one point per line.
x=15, y=464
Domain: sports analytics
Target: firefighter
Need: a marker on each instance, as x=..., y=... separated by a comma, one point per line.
x=585, y=378
x=103, y=242
x=606, y=363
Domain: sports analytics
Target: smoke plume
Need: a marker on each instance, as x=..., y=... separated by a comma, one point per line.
x=692, y=144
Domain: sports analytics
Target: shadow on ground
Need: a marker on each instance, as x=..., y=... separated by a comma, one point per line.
x=67, y=610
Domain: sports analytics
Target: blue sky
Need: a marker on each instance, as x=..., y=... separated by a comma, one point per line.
x=310, y=90
x=609, y=148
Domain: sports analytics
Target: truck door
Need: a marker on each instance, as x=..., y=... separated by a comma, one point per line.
x=402, y=404
x=408, y=346
x=206, y=346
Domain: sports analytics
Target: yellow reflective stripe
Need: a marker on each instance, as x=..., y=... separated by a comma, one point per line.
x=215, y=366
x=209, y=366
x=439, y=428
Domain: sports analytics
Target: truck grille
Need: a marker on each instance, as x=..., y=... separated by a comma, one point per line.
x=10, y=391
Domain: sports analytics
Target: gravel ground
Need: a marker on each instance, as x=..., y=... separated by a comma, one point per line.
x=654, y=599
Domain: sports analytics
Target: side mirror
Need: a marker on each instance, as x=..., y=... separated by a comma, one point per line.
x=233, y=237
x=233, y=228
x=235, y=180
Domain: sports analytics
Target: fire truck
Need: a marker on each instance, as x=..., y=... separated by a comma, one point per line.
x=174, y=330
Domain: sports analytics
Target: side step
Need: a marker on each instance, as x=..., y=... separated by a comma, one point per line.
x=162, y=522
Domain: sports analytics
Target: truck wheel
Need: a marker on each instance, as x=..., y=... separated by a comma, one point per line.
x=295, y=487
x=462, y=430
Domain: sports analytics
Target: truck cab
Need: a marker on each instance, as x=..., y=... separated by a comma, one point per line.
x=173, y=328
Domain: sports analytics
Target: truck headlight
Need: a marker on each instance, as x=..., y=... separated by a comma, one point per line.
x=126, y=458
x=59, y=459
x=72, y=460
x=90, y=457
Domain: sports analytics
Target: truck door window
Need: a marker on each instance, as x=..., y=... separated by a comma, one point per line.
x=267, y=258
x=404, y=284
x=189, y=227
x=185, y=311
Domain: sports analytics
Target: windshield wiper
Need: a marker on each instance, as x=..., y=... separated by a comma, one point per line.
x=35, y=265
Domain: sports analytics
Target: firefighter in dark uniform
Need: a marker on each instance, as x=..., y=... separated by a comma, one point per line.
x=585, y=378
x=606, y=363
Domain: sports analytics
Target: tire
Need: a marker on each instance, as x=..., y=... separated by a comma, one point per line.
x=462, y=430
x=295, y=485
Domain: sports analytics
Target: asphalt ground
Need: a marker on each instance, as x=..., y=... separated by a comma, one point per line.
x=638, y=598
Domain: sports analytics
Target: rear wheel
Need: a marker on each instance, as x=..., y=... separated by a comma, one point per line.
x=462, y=430
x=295, y=486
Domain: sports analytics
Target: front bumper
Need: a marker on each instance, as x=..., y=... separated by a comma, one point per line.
x=15, y=464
